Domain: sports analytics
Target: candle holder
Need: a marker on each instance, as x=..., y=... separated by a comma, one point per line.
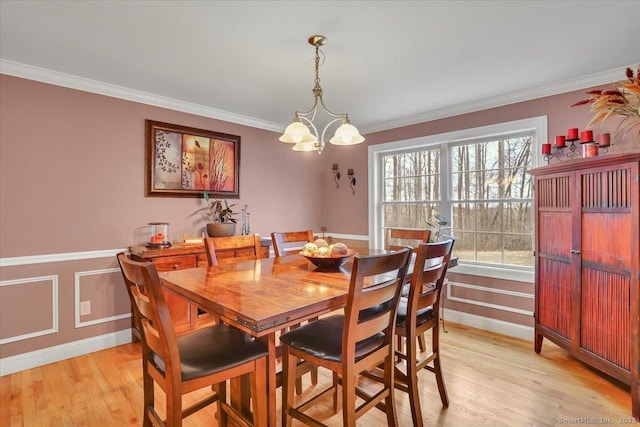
x=560, y=153
x=572, y=150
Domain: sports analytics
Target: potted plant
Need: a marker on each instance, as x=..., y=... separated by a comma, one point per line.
x=220, y=216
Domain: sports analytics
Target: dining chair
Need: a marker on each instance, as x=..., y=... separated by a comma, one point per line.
x=222, y=250
x=417, y=313
x=289, y=242
x=350, y=343
x=180, y=364
x=398, y=238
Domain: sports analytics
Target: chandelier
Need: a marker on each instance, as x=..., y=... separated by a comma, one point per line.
x=302, y=131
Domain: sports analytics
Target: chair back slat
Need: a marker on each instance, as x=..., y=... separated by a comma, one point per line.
x=141, y=302
x=221, y=250
x=374, y=297
x=381, y=294
x=284, y=240
x=372, y=326
x=398, y=238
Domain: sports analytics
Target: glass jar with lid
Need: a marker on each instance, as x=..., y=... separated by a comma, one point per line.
x=159, y=235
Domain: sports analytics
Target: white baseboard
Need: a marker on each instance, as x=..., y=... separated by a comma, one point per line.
x=493, y=325
x=20, y=362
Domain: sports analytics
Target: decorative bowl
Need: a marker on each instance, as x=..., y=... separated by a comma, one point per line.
x=332, y=262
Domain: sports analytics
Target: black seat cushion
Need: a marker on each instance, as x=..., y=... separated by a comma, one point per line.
x=323, y=339
x=424, y=314
x=214, y=349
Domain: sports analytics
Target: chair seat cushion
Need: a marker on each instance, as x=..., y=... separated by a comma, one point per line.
x=212, y=349
x=424, y=314
x=323, y=339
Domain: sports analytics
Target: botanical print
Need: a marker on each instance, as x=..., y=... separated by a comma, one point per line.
x=184, y=162
x=222, y=169
x=167, y=161
x=195, y=162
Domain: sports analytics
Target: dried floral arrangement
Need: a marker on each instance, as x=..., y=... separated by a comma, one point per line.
x=623, y=100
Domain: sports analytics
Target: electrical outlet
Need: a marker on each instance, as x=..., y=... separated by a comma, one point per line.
x=85, y=308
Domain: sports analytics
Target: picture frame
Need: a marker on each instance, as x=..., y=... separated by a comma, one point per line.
x=182, y=161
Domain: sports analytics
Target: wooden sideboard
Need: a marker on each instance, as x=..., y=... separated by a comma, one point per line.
x=587, y=236
x=178, y=257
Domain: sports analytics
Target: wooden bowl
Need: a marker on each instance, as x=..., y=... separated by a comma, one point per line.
x=332, y=262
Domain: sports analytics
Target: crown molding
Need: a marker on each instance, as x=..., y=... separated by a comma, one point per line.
x=595, y=79
x=44, y=75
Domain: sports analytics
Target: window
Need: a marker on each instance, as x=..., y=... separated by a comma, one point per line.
x=476, y=179
x=492, y=200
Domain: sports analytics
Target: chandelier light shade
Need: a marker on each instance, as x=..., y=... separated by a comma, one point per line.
x=302, y=132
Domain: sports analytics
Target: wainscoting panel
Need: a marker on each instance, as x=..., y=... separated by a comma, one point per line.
x=29, y=317
x=104, y=286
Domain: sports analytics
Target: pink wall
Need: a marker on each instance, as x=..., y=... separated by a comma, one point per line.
x=72, y=173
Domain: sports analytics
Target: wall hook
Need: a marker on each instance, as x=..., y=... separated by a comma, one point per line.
x=336, y=174
x=352, y=180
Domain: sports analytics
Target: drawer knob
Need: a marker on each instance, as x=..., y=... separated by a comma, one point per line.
x=175, y=266
x=575, y=251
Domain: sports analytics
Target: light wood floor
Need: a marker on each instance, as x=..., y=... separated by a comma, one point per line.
x=491, y=379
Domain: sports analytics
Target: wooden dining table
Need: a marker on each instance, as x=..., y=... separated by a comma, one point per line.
x=264, y=296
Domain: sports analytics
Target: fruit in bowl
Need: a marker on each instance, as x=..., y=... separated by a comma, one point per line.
x=330, y=257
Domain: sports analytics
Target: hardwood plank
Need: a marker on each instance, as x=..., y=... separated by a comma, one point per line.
x=491, y=380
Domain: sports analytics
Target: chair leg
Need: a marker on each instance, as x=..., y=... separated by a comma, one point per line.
x=390, y=404
x=298, y=386
x=148, y=396
x=337, y=393
x=174, y=405
x=259, y=393
x=412, y=382
x=221, y=391
x=399, y=348
x=437, y=368
x=348, y=400
x=421, y=343
x=289, y=364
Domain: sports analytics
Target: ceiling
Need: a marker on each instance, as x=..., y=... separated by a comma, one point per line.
x=387, y=63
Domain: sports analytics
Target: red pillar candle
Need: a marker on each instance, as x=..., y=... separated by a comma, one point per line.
x=604, y=139
x=586, y=136
x=560, y=141
x=546, y=148
x=573, y=134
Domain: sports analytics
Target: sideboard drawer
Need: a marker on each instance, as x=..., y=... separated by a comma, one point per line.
x=175, y=262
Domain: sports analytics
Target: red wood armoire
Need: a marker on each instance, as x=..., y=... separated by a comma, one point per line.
x=588, y=263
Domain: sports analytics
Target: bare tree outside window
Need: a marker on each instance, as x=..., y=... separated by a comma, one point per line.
x=490, y=201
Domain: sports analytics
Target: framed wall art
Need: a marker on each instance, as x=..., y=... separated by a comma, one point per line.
x=182, y=161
